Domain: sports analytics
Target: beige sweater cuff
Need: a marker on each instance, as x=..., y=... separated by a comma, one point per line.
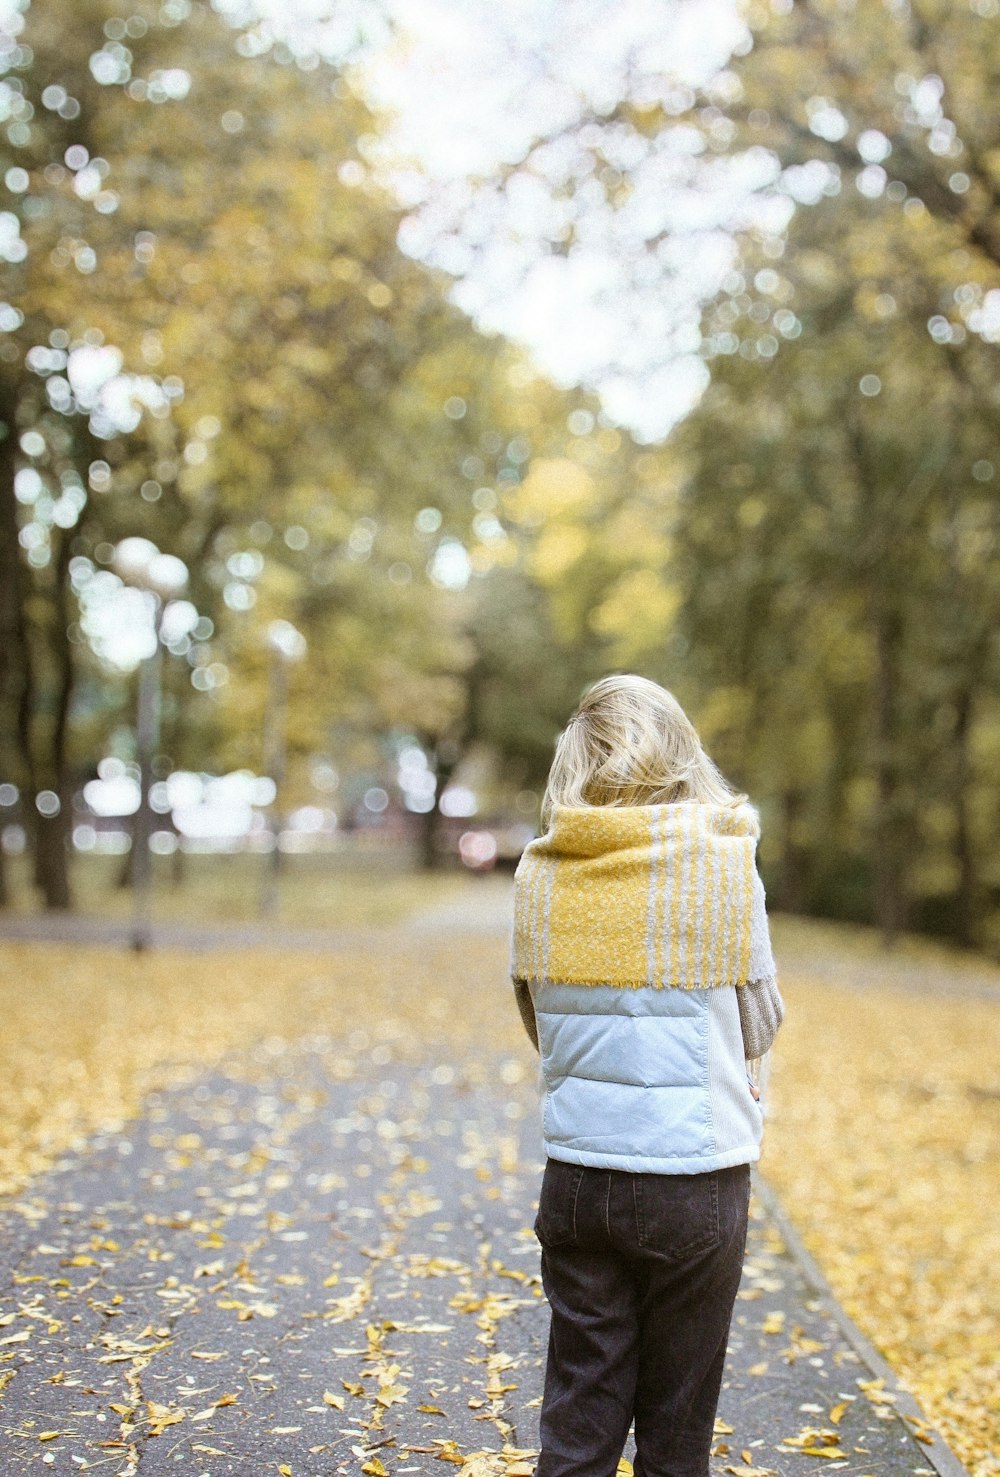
x=761, y=1012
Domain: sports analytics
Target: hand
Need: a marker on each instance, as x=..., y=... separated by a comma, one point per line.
x=754, y=1091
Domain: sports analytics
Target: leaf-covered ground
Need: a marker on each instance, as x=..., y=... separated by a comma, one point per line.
x=319, y=1260
x=882, y=1142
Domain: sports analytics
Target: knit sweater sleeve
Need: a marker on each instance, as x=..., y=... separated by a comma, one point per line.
x=761, y=1012
x=524, y=1004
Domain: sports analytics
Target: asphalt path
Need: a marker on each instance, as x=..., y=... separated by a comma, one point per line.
x=321, y=1260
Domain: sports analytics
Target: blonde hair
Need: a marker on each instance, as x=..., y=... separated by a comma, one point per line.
x=631, y=743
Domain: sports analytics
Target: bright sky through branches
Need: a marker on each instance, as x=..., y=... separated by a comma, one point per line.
x=471, y=87
x=604, y=297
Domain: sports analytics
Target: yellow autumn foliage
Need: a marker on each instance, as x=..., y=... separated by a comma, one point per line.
x=557, y=549
x=637, y=608
x=553, y=488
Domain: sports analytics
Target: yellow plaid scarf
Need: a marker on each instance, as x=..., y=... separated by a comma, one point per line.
x=662, y=895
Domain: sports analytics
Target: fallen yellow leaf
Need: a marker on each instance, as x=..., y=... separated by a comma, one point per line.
x=921, y=1430
x=161, y=1416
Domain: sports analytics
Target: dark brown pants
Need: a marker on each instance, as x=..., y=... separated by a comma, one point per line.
x=641, y=1273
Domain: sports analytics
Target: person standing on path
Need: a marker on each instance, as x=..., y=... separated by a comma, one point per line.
x=642, y=964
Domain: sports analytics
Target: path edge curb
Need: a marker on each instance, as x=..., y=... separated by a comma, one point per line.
x=939, y=1455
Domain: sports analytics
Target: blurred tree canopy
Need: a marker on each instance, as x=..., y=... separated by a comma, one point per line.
x=211, y=339
x=213, y=342
x=818, y=574
x=845, y=458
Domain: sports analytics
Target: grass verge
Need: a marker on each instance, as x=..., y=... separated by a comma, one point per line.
x=317, y=891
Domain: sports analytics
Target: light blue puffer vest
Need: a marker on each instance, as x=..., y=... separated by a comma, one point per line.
x=646, y=1080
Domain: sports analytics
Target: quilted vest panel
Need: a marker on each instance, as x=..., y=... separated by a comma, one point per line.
x=648, y=1080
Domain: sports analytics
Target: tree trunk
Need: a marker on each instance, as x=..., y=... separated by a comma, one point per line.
x=443, y=758
x=11, y=603
x=791, y=879
x=428, y=856
x=52, y=833
x=15, y=656
x=879, y=552
x=147, y=730
x=52, y=859
x=890, y=892
x=965, y=897
x=275, y=754
x=8, y=611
